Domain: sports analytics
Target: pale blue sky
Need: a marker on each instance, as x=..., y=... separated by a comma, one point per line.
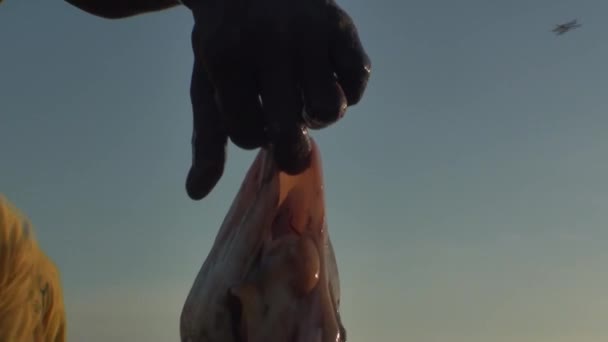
x=466, y=195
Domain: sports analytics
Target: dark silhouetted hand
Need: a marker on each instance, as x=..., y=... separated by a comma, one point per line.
x=265, y=71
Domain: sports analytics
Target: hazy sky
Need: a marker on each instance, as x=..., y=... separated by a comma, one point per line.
x=466, y=195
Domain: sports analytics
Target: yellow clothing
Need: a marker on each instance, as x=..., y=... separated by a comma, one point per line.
x=31, y=301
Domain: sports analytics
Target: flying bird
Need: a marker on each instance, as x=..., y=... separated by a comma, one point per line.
x=566, y=27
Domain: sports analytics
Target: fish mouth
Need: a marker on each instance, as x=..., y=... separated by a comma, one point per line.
x=271, y=275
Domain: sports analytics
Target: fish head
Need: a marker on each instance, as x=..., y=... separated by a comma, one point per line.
x=271, y=274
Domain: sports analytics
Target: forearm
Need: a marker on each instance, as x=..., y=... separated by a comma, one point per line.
x=117, y=9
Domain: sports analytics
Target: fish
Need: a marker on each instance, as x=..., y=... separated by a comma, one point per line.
x=271, y=274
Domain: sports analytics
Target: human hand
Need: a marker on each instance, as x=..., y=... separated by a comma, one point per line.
x=264, y=72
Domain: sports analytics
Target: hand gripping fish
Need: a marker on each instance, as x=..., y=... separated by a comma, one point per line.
x=271, y=275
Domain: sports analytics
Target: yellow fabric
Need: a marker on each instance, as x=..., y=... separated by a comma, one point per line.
x=31, y=300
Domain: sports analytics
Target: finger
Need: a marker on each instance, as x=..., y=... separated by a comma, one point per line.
x=324, y=100
x=227, y=57
x=239, y=103
x=292, y=149
x=209, y=137
x=282, y=105
x=350, y=61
